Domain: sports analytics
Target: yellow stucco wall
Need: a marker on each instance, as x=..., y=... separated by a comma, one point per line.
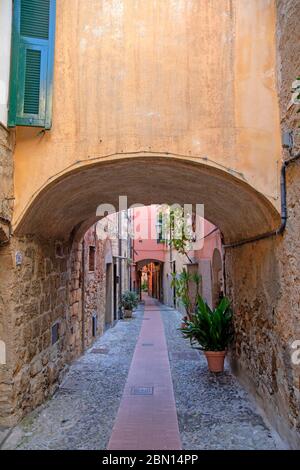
x=188, y=77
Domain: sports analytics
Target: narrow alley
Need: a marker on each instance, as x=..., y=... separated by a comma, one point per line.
x=141, y=386
x=149, y=225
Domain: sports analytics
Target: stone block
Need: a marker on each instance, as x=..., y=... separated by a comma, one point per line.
x=36, y=367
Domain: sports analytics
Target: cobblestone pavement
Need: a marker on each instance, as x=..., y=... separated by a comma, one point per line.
x=82, y=412
x=214, y=411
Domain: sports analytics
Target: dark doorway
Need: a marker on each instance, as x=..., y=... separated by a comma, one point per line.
x=116, y=280
x=109, y=294
x=174, y=288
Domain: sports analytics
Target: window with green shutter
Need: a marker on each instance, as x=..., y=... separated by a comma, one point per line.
x=31, y=78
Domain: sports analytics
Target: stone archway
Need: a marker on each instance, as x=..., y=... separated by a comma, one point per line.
x=69, y=204
x=154, y=274
x=70, y=200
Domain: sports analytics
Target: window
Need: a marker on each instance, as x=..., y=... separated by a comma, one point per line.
x=59, y=250
x=94, y=325
x=31, y=76
x=159, y=229
x=92, y=253
x=55, y=333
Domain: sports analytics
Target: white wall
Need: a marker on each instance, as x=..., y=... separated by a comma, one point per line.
x=5, y=41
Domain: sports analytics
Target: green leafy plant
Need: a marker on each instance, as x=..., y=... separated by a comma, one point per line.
x=180, y=236
x=210, y=330
x=181, y=283
x=129, y=300
x=175, y=229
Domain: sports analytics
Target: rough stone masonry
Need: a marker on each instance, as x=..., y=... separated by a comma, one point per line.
x=263, y=277
x=41, y=288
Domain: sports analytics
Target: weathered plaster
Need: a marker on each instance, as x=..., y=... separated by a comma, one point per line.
x=195, y=79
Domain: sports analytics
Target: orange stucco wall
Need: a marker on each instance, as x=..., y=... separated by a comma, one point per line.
x=194, y=78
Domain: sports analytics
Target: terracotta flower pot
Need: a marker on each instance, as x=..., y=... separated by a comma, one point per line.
x=127, y=313
x=215, y=360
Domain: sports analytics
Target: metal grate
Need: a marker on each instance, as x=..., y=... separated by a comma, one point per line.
x=100, y=351
x=142, y=390
x=147, y=344
x=185, y=356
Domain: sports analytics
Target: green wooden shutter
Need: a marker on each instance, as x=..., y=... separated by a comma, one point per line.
x=31, y=82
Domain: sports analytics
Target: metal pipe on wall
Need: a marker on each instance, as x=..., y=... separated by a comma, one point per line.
x=281, y=228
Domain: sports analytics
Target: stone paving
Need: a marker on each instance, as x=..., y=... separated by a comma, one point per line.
x=82, y=412
x=214, y=412
x=147, y=418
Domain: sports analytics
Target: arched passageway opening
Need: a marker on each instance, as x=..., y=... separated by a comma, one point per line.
x=149, y=275
x=69, y=204
x=70, y=201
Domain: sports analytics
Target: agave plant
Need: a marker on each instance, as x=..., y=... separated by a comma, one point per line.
x=210, y=330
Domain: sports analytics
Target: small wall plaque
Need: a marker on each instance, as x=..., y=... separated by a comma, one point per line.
x=19, y=258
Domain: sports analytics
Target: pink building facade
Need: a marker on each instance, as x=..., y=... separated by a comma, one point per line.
x=154, y=260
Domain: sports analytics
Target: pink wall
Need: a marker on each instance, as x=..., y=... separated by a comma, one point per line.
x=209, y=243
x=146, y=248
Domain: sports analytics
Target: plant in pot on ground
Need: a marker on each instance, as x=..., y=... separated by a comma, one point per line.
x=178, y=225
x=211, y=331
x=129, y=301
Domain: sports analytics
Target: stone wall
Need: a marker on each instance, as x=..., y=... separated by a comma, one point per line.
x=35, y=298
x=95, y=287
x=75, y=318
x=265, y=328
x=288, y=63
x=263, y=277
x=288, y=249
x=46, y=285
x=41, y=286
x=7, y=140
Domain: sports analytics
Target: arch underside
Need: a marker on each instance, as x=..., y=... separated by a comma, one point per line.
x=71, y=201
x=144, y=262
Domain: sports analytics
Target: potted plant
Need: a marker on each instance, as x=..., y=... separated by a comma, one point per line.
x=129, y=301
x=211, y=331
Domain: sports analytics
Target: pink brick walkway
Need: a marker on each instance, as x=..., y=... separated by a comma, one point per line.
x=149, y=421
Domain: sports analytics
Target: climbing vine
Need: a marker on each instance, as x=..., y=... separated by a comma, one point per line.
x=178, y=230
